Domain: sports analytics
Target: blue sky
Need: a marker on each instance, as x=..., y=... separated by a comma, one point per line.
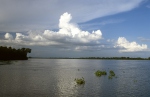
x=84, y=28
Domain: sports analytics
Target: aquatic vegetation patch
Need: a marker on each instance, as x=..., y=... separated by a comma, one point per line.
x=110, y=77
x=111, y=74
x=80, y=80
x=100, y=73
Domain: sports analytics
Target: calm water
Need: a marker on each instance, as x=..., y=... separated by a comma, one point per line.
x=55, y=78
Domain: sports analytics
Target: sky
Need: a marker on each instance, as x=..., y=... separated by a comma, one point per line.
x=77, y=28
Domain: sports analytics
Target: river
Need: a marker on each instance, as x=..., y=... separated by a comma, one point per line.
x=55, y=78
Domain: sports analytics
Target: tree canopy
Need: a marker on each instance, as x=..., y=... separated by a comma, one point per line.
x=8, y=53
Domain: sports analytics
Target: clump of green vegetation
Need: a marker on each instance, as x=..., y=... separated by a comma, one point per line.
x=100, y=73
x=111, y=74
x=80, y=80
x=110, y=77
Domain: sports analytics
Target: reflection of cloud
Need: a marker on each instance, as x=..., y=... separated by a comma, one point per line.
x=68, y=34
x=127, y=46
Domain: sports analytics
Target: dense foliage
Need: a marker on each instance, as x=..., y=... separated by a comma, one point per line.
x=8, y=53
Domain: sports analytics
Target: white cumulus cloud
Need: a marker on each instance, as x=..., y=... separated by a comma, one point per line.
x=68, y=34
x=127, y=46
x=8, y=36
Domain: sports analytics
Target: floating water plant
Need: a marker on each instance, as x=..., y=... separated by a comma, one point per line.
x=110, y=77
x=111, y=74
x=100, y=73
x=80, y=80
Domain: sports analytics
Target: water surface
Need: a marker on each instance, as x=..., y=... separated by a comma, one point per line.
x=55, y=78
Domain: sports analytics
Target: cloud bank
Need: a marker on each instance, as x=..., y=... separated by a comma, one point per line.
x=126, y=46
x=68, y=34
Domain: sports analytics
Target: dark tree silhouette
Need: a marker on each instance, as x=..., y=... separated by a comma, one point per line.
x=8, y=53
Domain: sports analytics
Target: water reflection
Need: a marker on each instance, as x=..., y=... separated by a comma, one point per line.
x=65, y=76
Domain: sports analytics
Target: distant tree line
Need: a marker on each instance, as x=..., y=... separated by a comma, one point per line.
x=110, y=58
x=8, y=53
x=117, y=58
